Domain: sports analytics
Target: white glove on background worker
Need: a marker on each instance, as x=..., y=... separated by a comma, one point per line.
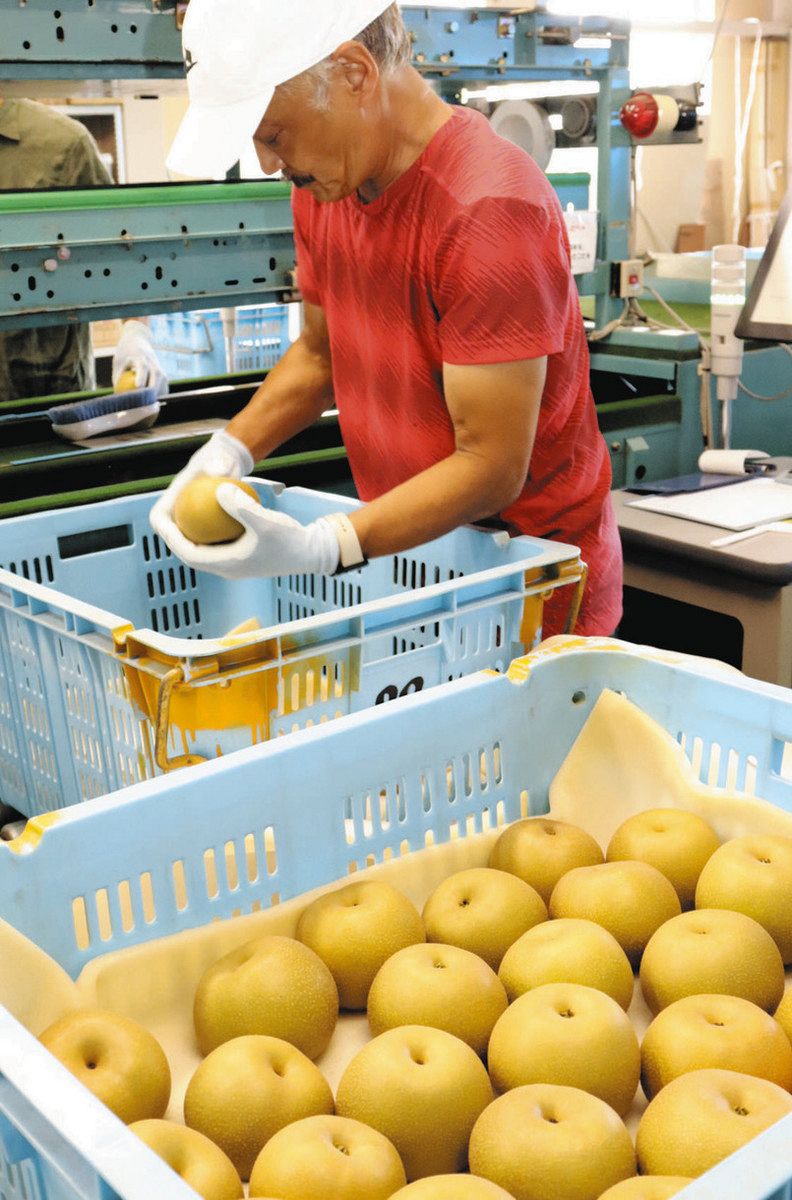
x=135, y=352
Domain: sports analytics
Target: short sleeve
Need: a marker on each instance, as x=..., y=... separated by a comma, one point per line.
x=306, y=275
x=83, y=167
x=503, y=283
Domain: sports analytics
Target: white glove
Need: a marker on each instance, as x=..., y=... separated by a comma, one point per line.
x=135, y=352
x=223, y=455
x=272, y=544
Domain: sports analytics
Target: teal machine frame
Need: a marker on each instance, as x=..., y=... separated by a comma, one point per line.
x=117, y=252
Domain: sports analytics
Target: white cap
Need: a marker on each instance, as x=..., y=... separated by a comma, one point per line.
x=236, y=53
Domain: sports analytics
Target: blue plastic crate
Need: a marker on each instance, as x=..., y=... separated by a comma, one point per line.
x=114, y=667
x=455, y=761
x=192, y=345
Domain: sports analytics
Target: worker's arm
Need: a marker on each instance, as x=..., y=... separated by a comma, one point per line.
x=495, y=410
x=293, y=396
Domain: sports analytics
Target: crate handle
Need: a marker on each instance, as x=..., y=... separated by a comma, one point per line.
x=166, y=687
x=577, y=600
x=94, y=541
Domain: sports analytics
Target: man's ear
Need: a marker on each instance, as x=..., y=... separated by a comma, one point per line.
x=360, y=69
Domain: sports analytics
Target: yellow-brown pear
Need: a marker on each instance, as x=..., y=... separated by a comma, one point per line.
x=115, y=1058
x=571, y=1035
x=273, y=986
x=647, y=1187
x=702, y=1117
x=724, y=1032
x=540, y=850
x=783, y=1014
x=545, y=1142
x=676, y=842
x=249, y=1088
x=201, y=518
x=568, y=950
x=442, y=986
x=629, y=899
x=423, y=1089
x=452, y=1187
x=327, y=1156
x=200, y=1163
x=355, y=929
x=709, y=951
x=753, y=875
x=482, y=910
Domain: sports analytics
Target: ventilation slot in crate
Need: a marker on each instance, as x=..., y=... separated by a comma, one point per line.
x=375, y=815
x=174, y=591
x=19, y=1179
x=35, y=570
x=720, y=766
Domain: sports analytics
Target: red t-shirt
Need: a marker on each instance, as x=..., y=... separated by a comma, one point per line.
x=464, y=260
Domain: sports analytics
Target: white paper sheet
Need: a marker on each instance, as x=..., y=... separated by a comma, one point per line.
x=738, y=506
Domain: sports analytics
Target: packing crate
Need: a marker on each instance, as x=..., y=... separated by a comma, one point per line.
x=279, y=819
x=115, y=664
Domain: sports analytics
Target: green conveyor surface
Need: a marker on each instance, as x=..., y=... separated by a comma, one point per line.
x=139, y=197
x=138, y=486
x=696, y=315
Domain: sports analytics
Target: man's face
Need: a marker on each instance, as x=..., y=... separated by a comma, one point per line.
x=320, y=149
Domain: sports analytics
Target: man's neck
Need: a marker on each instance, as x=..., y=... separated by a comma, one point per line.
x=412, y=114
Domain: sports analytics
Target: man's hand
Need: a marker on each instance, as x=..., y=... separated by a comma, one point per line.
x=272, y=544
x=135, y=352
x=223, y=456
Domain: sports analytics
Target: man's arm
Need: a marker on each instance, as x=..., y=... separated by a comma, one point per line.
x=83, y=166
x=495, y=411
x=295, y=393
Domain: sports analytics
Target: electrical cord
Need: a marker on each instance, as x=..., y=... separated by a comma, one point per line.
x=755, y=395
x=704, y=367
x=607, y=330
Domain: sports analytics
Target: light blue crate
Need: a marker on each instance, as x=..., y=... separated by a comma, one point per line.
x=464, y=757
x=99, y=622
x=192, y=345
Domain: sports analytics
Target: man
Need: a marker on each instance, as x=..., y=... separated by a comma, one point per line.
x=441, y=316
x=40, y=149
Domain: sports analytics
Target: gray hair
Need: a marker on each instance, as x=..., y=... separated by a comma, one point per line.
x=386, y=40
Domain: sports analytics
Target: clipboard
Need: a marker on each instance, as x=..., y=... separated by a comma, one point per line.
x=699, y=481
x=747, y=503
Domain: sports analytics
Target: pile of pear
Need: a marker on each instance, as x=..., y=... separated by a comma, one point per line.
x=503, y=1061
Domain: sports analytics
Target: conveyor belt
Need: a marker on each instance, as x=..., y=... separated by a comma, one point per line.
x=38, y=470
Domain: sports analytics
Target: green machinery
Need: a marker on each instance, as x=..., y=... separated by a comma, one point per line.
x=126, y=251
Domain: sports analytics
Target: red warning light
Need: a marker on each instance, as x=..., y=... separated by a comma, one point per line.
x=640, y=115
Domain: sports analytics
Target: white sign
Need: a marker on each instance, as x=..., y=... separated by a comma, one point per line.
x=582, y=229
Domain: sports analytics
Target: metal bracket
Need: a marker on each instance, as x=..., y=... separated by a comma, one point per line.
x=166, y=689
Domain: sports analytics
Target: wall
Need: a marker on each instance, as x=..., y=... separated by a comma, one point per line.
x=673, y=179
x=722, y=142
x=143, y=128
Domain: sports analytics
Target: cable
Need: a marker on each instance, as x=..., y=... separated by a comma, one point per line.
x=607, y=330
x=704, y=368
x=681, y=322
x=755, y=395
